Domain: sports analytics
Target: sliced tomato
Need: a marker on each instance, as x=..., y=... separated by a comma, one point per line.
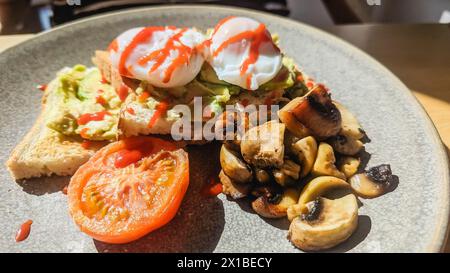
x=128, y=189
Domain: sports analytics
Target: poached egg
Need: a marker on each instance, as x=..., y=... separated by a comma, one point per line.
x=163, y=56
x=242, y=52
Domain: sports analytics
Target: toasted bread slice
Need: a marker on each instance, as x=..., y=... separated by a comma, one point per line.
x=44, y=152
x=136, y=123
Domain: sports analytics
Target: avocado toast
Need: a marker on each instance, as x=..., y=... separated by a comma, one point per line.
x=54, y=144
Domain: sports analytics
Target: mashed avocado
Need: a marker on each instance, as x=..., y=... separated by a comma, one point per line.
x=81, y=104
x=215, y=93
x=285, y=77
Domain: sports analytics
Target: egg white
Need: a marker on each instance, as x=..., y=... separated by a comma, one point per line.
x=227, y=64
x=180, y=76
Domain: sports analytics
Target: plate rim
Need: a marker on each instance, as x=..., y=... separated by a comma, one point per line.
x=441, y=230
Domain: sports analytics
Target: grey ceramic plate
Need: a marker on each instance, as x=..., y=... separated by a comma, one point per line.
x=413, y=218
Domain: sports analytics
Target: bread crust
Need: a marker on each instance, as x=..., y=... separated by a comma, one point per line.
x=44, y=152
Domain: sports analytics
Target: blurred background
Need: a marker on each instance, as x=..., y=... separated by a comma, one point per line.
x=31, y=16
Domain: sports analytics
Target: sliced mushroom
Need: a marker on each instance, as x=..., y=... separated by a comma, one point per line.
x=372, y=183
x=350, y=125
x=262, y=176
x=292, y=123
x=234, y=167
x=320, y=186
x=233, y=189
x=349, y=165
x=326, y=224
x=275, y=205
x=306, y=152
x=287, y=174
x=263, y=146
x=317, y=112
x=325, y=162
x=346, y=145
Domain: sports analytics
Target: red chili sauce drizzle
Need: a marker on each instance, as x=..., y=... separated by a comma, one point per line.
x=123, y=92
x=256, y=38
x=212, y=188
x=160, y=56
x=144, y=35
x=24, y=231
x=161, y=108
x=86, y=118
x=42, y=87
x=144, y=96
x=100, y=100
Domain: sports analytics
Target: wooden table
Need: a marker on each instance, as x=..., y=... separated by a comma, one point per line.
x=418, y=54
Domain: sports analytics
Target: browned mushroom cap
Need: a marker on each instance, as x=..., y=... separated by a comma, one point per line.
x=326, y=224
x=234, y=167
x=318, y=113
x=233, y=189
x=287, y=117
x=372, y=183
x=274, y=204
